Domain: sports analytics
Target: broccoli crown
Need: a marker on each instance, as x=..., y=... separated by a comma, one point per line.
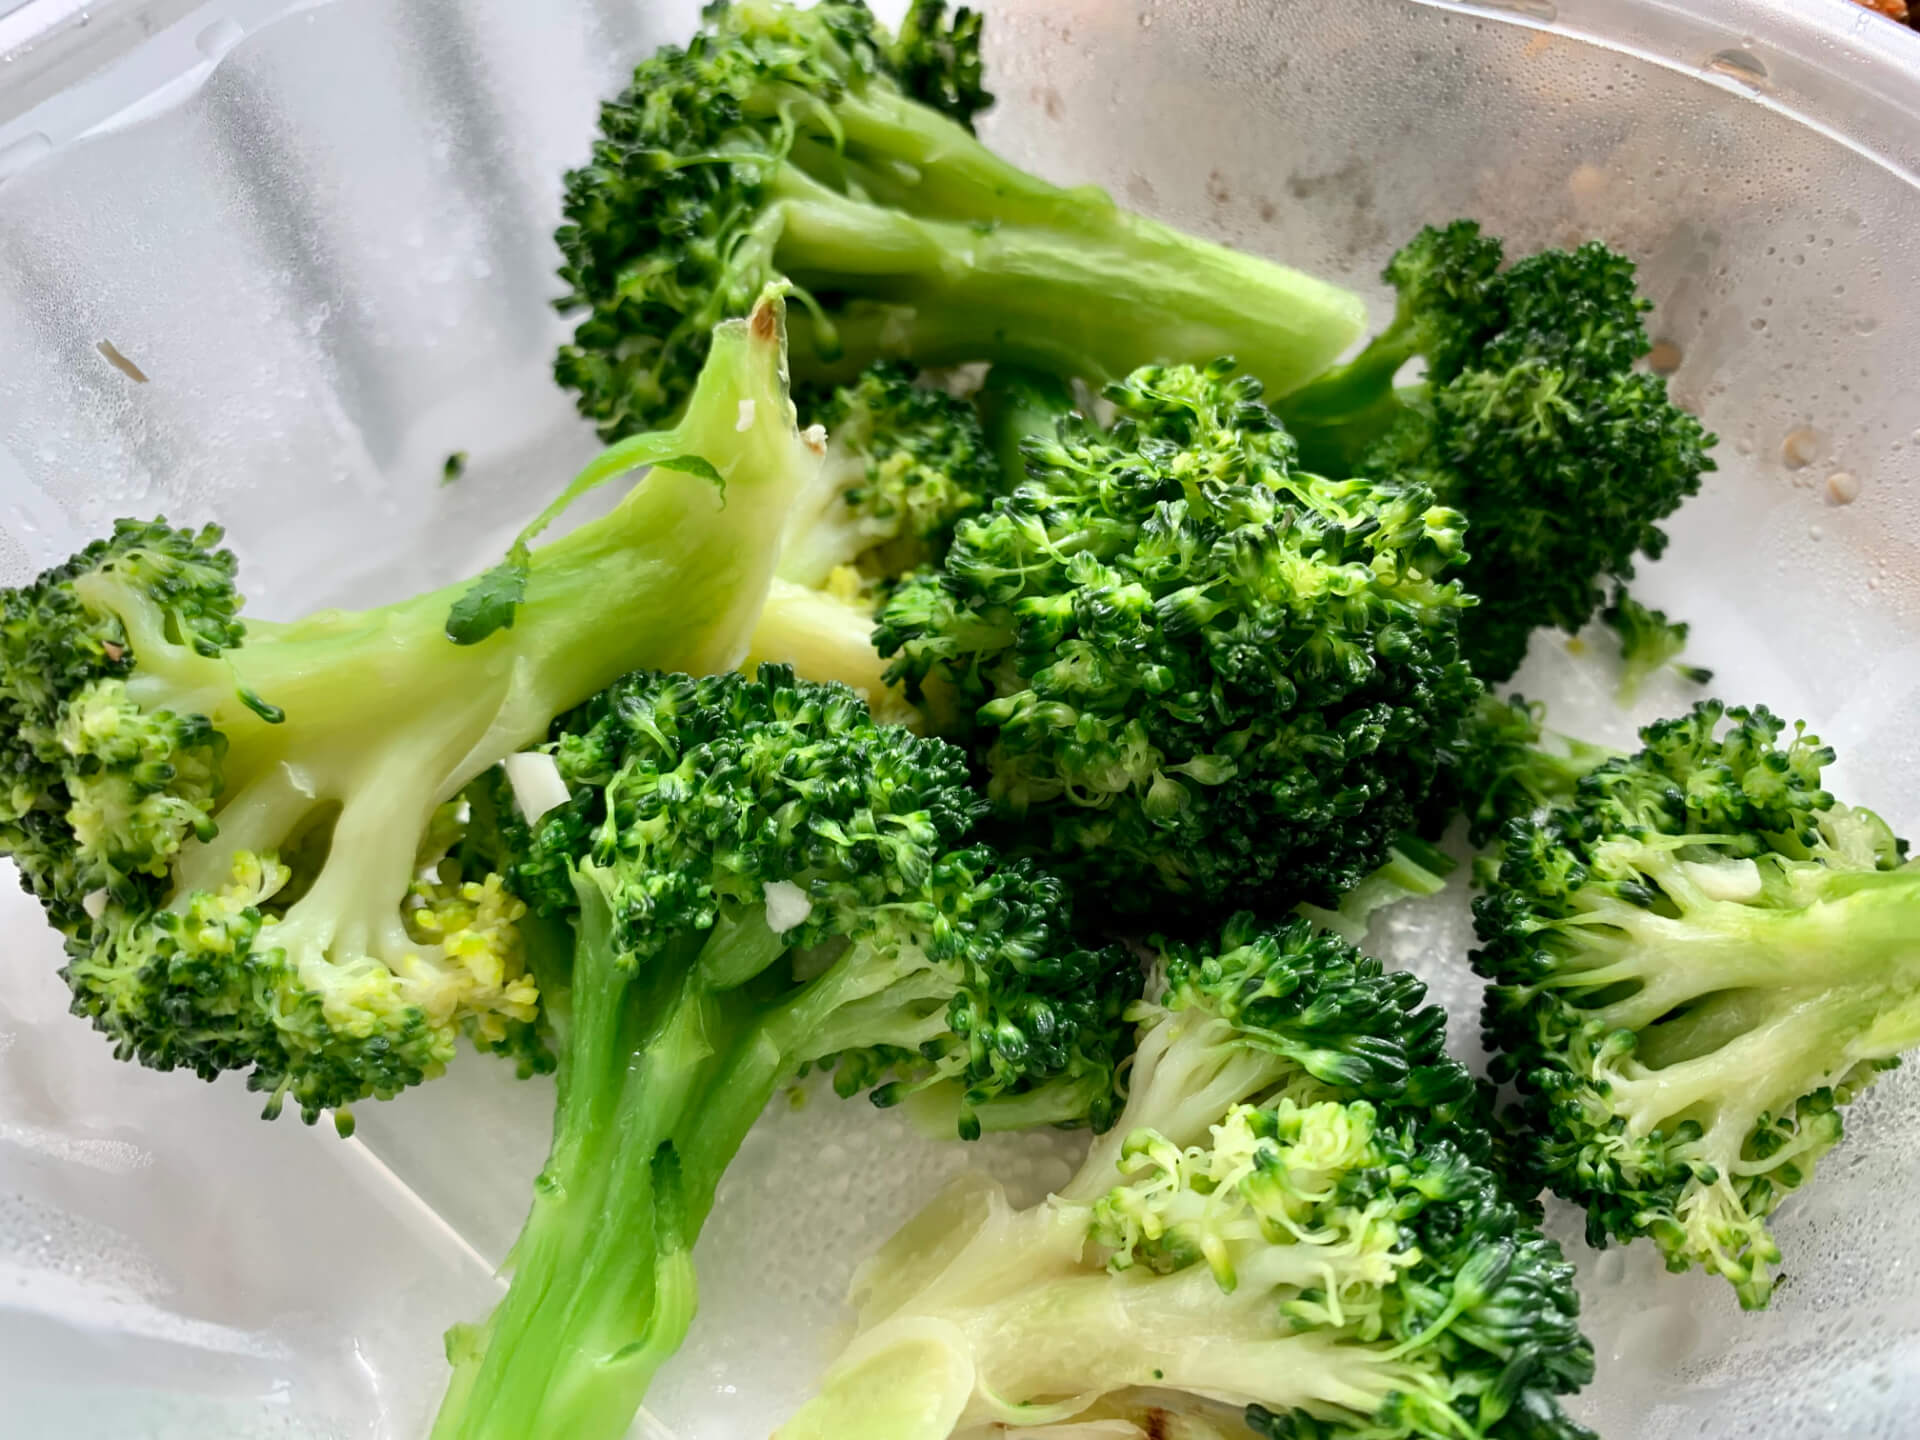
x=1531, y=420
x=905, y=464
x=661, y=241
x=809, y=144
x=142, y=783
x=691, y=796
x=241, y=830
x=1649, y=643
x=1696, y=959
x=1255, y=1231
x=1195, y=675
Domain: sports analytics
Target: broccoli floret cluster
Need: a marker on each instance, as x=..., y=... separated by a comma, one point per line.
x=1254, y=1232
x=810, y=145
x=1530, y=419
x=1697, y=959
x=240, y=829
x=1192, y=673
x=759, y=877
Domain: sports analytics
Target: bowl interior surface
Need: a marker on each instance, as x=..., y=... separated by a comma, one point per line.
x=330, y=260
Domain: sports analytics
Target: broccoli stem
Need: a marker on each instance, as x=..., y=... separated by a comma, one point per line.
x=1866, y=938
x=1095, y=298
x=1028, y=1302
x=1340, y=416
x=680, y=1061
x=602, y=1289
x=1016, y=405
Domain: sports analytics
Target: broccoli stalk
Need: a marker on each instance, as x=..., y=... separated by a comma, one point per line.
x=229, y=823
x=780, y=142
x=760, y=878
x=1530, y=419
x=1255, y=1232
x=1696, y=960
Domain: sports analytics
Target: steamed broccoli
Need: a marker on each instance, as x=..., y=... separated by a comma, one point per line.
x=904, y=464
x=759, y=877
x=1192, y=674
x=239, y=828
x=1530, y=419
x=1282, y=1221
x=1506, y=765
x=1649, y=642
x=1696, y=960
x=780, y=142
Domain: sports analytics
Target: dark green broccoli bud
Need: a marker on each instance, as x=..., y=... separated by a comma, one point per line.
x=1506, y=765
x=787, y=142
x=1649, y=643
x=760, y=878
x=1530, y=419
x=935, y=59
x=1193, y=675
x=1255, y=1231
x=1696, y=960
x=241, y=829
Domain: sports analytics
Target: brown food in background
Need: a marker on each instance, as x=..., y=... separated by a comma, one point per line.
x=1894, y=10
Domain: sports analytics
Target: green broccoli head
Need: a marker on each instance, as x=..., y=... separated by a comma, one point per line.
x=241, y=830
x=1192, y=674
x=1649, y=643
x=1531, y=420
x=1696, y=960
x=808, y=144
x=1254, y=1232
x=760, y=878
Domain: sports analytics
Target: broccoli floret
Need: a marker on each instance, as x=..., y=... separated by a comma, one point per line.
x=1507, y=765
x=239, y=828
x=935, y=59
x=760, y=878
x=1193, y=675
x=1530, y=419
x=1696, y=961
x=1281, y=1221
x=905, y=463
x=1649, y=643
x=780, y=142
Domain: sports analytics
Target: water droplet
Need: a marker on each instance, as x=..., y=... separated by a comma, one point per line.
x=1814, y=532
x=1801, y=447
